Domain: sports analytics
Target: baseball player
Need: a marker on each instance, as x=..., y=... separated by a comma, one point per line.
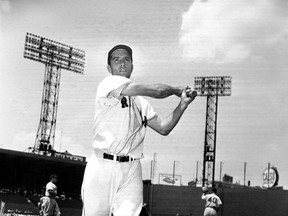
x=112, y=182
x=48, y=206
x=51, y=188
x=213, y=202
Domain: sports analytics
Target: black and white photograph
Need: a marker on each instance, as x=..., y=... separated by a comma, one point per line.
x=143, y=108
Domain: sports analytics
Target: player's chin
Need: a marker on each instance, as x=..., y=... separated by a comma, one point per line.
x=126, y=73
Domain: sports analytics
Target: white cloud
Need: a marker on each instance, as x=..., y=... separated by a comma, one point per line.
x=231, y=31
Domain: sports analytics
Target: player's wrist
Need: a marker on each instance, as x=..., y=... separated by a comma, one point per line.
x=178, y=91
x=183, y=105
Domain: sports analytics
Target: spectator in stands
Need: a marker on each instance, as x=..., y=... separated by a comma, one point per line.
x=63, y=196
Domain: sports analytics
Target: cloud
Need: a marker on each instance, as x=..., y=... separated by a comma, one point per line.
x=231, y=31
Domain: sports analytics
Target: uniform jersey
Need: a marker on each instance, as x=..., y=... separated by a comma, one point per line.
x=212, y=200
x=119, y=122
x=119, y=129
x=50, y=186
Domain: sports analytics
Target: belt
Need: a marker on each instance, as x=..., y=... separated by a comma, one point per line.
x=117, y=158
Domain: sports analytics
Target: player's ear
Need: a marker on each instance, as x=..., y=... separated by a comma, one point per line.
x=109, y=69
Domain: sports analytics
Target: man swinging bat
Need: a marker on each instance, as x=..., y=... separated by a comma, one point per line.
x=112, y=182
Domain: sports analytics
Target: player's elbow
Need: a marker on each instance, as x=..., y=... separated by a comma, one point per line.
x=164, y=132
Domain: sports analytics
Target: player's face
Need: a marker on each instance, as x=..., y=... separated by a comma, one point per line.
x=120, y=63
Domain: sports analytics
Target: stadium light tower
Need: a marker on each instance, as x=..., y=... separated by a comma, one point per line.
x=212, y=87
x=55, y=56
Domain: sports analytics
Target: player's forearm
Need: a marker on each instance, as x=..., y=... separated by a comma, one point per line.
x=163, y=91
x=165, y=126
x=172, y=120
x=155, y=91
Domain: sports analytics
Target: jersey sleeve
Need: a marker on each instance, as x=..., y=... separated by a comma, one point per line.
x=203, y=196
x=219, y=201
x=149, y=111
x=49, y=186
x=112, y=86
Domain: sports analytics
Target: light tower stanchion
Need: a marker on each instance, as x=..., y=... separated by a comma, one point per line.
x=212, y=88
x=55, y=56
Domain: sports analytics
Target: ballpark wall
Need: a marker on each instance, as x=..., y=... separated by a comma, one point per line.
x=255, y=202
x=170, y=200
x=185, y=200
x=32, y=171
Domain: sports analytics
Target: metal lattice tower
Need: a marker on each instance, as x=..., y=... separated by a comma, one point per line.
x=55, y=56
x=212, y=87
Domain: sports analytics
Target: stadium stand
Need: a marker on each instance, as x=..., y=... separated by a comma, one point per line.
x=19, y=204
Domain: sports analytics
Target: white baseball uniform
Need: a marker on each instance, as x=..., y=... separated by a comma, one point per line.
x=50, y=186
x=110, y=186
x=212, y=204
x=49, y=207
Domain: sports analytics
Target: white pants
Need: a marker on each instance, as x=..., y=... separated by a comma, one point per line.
x=210, y=212
x=112, y=187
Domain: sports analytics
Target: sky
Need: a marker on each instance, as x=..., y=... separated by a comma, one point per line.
x=172, y=42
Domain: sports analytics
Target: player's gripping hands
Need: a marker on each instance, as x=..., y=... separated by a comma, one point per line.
x=188, y=95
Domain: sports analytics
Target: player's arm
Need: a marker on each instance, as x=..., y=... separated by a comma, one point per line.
x=219, y=204
x=219, y=208
x=166, y=125
x=154, y=91
x=204, y=192
x=57, y=210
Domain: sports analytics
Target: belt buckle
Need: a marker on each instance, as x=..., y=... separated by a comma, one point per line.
x=121, y=158
x=127, y=157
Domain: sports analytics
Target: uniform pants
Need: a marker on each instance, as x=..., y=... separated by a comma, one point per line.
x=112, y=187
x=49, y=206
x=210, y=211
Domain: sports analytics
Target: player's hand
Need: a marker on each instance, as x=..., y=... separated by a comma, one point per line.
x=205, y=189
x=188, y=95
x=179, y=90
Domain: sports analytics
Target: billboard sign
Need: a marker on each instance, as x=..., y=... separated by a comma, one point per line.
x=167, y=179
x=270, y=177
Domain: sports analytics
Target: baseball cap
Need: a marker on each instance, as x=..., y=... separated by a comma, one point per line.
x=53, y=176
x=119, y=46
